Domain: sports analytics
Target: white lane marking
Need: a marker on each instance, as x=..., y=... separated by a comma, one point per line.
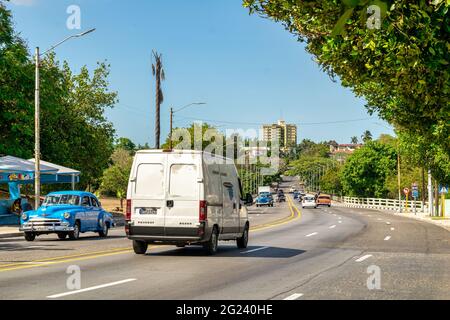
x=55, y=296
x=387, y=238
x=392, y=229
x=333, y=226
x=367, y=256
x=388, y=223
x=379, y=219
x=254, y=250
x=294, y=296
x=312, y=234
x=340, y=221
x=334, y=214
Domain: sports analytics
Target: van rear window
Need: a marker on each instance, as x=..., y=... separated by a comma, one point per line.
x=183, y=181
x=150, y=180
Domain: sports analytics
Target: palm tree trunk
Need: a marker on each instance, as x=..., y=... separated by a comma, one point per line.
x=158, y=108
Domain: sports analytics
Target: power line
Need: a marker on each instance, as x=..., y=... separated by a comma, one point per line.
x=260, y=123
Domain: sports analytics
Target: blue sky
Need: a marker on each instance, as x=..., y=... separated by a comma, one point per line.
x=246, y=68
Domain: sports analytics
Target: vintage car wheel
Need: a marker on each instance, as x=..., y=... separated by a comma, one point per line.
x=29, y=236
x=62, y=236
x=104, y=232
x=75, y=234
x=140, y=247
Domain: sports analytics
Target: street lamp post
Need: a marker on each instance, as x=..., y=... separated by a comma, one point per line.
x=171, y=118
x=37, y=110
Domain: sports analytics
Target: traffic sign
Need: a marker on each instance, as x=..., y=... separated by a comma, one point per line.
x=415, y=186
x=443, y=189
x=415, y=194
x=406, y=191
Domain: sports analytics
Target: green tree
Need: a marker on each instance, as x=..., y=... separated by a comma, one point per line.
x=199, y=135
x=331, y=181
x=126, y=144
x=400, y=69
x=365, y=172
x=354, y=140
x=115, y=178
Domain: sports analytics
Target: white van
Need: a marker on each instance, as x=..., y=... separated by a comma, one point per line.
x=184, y=197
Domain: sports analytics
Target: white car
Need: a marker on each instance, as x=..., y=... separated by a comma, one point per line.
x=309, y=201
x=183, y=198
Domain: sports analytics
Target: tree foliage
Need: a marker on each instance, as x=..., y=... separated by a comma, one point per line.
x=115, y=178
x=401, y=69
x=366, y=171
x=74, y=130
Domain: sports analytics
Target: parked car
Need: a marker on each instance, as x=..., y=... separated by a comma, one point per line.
x=264, y=199
x=324, y=200
x=184, y=197
x=309, y=201
x=67, y=213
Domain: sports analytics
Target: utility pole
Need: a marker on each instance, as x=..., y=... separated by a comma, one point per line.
x=37, y=114
x=430, y=194
x=171, y=128
x=37, y=142
x=399, y=182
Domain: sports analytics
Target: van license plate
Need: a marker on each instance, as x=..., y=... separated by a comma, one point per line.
x=145, y=211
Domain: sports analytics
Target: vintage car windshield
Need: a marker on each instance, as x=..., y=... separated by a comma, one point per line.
x=59, y=199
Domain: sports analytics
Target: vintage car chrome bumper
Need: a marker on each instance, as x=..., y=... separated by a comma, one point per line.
x=48, y=225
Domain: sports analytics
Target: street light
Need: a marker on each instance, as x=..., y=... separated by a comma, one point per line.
x=178, y=110
x=37, y=147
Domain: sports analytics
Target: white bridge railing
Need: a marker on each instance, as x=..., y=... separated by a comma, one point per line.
x=386, y=204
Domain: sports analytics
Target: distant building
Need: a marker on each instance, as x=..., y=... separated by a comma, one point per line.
x=341, y=151
x=286, y=134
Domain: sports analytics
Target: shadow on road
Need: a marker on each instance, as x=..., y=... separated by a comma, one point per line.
x=229, y=251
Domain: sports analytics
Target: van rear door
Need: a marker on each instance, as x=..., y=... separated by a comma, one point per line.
x=184, y=189
x=148, y=193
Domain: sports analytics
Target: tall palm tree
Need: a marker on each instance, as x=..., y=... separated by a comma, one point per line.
x=158, y=73
x=367, y=136
x=354, y=140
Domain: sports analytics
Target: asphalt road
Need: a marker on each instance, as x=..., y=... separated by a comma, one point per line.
x=321, y=253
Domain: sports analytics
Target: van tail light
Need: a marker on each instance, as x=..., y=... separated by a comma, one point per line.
x=128, y=212
x=203, y=215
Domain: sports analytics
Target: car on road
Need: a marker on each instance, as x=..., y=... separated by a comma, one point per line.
x=67, y=213
x=281, y=197
x=324, y=200
x=264, y=199
x=296, y=195
x=184, y=197
x=309, y=201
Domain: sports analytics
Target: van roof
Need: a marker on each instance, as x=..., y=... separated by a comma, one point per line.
x=176, y=151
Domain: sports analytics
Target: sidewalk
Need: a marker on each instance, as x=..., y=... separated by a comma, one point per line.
x=10, y=232
x=445, y=223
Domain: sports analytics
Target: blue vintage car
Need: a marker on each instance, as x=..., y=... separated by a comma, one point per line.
x=264, y=199
x=67, y=213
